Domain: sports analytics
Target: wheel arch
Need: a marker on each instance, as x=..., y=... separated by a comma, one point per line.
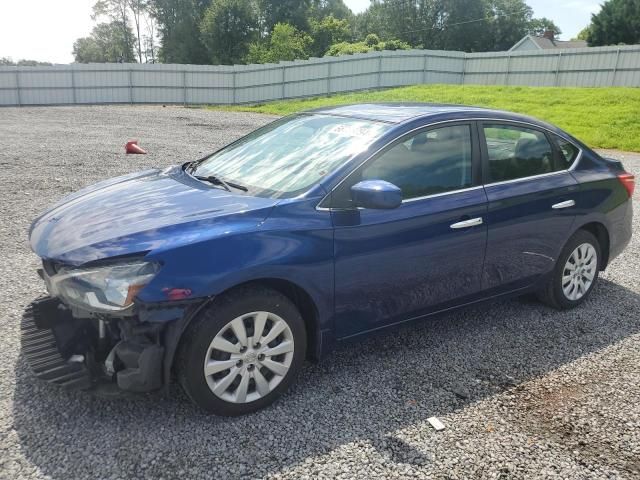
x=295, y=293
x=600, y=231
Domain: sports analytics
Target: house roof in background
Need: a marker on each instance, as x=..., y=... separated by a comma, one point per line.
x=544, y=43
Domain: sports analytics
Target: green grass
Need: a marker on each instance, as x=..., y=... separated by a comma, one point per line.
x=601, y=117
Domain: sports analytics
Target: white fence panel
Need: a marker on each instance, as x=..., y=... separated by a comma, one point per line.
x=198, y=84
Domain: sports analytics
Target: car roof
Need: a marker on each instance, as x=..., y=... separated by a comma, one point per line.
x=402, y=112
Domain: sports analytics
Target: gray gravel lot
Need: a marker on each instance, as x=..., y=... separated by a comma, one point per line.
x=523, y=390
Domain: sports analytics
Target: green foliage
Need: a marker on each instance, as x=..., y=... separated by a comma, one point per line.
x=538, y=26
x=466, y=25
x=371, y=40
x=583, y=34
x=618, y=22
x=328, y=31
x=293, y=12
x=7, y=61
x=285, y=43
x=601, y=117
x=371, y=43
x=178, y=25
x=241, y=31
x=323, y=8
x=227, y=28
x=108, y=43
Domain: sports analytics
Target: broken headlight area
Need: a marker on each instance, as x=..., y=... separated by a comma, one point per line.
x=108, y=289
x=100, y=351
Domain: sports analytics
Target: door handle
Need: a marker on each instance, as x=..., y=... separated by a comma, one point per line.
x=472, y=222
x=567, y=204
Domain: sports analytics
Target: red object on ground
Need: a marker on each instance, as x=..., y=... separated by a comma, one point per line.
x=132, y=147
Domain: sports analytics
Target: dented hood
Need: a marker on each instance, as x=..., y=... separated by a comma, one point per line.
x=141, y=212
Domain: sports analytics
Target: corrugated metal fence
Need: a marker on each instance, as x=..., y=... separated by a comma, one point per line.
x=199, y=84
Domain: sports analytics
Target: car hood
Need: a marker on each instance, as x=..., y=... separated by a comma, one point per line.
x=140, y=212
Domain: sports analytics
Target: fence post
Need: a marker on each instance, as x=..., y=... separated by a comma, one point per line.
x=506, y=79
x=329, y=65
x=464, y=68
x=233, y=85
x=615, y=68
x=18, y=86
x=424, y=69
x=558, y=68
x=73, y=84
x=130, y=85
x=184, y=88
x=283, y=77
x=380, y=70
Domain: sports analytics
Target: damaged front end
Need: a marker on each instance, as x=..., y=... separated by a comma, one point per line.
x=90, y=333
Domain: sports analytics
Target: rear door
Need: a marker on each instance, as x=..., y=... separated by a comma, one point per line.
x=531, y=196
x=391, y=265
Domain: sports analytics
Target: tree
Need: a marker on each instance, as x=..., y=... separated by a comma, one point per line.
x=508, y=22
x=285, y=43
x=124, y=11
x=320, y=9
x=137, y=8
x=7, y=61
x=371, y=43
x=292, y=12
x=179, y=28
x=539, y=26
x=617, y=22
x=118, y=12
x=108, y=42
x=467, y=25
x=227, y=29
x=328, y=31
x=583, y=34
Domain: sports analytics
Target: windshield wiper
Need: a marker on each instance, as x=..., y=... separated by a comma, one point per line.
x=219, y=181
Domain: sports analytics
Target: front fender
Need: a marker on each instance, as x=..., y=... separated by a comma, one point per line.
x=294, y=244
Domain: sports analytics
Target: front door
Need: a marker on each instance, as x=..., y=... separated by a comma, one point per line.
x=393, y=265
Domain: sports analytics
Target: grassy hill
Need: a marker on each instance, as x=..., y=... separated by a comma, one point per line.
x=601, y=117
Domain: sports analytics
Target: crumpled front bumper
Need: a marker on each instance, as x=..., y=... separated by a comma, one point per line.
x=77, y=353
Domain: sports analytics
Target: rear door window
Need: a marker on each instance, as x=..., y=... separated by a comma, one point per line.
x=516, y=152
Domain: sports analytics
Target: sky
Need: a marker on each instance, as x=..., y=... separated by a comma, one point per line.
x=45, y=30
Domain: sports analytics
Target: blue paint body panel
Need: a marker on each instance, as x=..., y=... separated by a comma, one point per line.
x=363, y=269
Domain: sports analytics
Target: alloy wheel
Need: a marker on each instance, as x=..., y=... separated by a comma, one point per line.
x=579, y=271
x=249, y=357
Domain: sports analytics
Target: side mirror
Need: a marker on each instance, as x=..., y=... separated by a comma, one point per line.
x=376, y=194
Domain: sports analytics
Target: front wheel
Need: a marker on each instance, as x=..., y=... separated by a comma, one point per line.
x=575, y=274
x=243, y=352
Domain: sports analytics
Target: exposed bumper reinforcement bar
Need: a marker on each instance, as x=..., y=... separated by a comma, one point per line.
x=41, y=351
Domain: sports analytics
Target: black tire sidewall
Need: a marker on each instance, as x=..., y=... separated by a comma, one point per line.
x=203, y=329
x=580, y=237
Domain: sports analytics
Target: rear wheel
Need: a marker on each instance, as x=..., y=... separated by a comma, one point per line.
x=575, y=274
x=243, y=352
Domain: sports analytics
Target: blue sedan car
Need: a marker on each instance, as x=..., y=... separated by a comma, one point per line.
x=227, y=272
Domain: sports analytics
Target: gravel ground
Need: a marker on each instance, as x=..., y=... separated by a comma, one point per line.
x=524, y=391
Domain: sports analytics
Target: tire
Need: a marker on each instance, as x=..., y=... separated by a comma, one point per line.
x=567, y=294
x=211, y=337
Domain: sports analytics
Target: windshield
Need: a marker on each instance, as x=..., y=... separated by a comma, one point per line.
x=288, y=156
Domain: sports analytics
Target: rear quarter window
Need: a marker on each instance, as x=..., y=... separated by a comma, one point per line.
x=567, y=153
